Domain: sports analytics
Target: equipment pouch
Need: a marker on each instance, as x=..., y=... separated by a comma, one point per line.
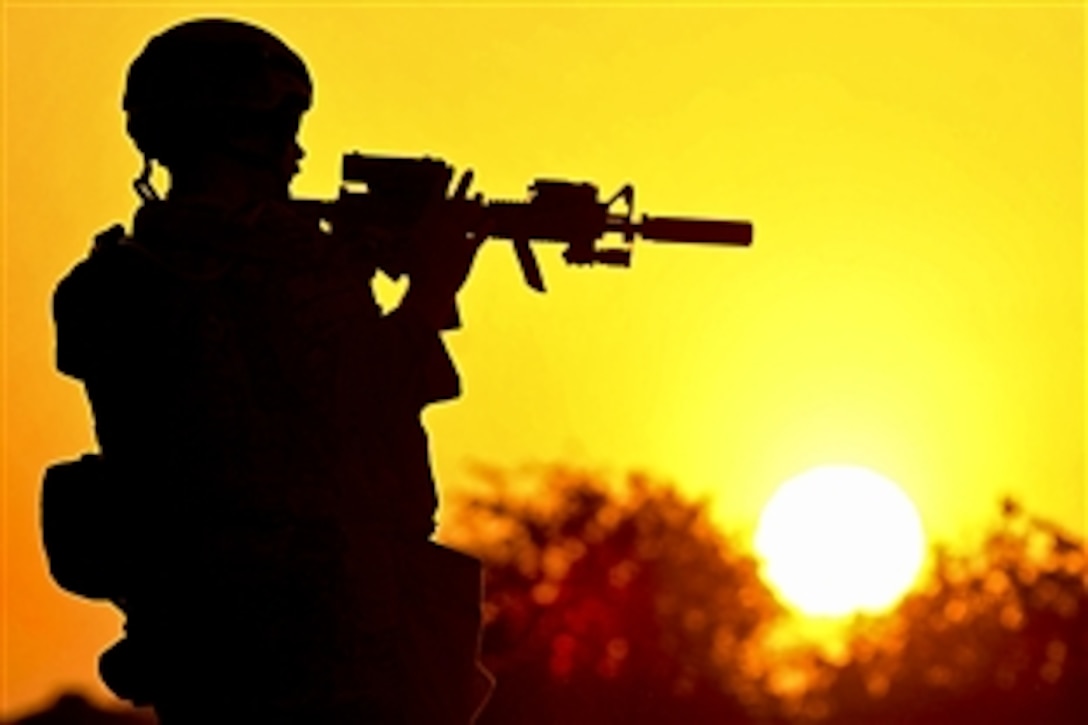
x=80, y=528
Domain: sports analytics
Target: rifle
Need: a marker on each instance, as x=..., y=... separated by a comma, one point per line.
x=383, y=197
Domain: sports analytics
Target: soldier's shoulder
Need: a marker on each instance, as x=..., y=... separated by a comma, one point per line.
x=105, y=271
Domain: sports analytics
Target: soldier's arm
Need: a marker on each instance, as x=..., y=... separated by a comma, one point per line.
x=444, y=247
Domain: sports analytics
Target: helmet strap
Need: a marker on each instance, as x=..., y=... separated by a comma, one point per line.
x=142, y=183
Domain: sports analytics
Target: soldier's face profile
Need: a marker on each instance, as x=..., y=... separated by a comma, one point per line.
x=290, y=151
x=293, y=155
x=272, y=146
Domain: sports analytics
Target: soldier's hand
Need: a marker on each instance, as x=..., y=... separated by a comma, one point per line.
x=443, y=247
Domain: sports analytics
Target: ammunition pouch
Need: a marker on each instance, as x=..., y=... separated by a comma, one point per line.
x=82, y=528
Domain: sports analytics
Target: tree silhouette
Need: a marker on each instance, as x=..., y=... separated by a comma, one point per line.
x=72, y=708
x=612, y=604
x=997, y=635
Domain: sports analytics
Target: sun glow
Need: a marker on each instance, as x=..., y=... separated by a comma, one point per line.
x=837, y=540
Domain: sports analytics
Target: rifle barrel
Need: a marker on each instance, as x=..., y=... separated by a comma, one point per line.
x=699, y=231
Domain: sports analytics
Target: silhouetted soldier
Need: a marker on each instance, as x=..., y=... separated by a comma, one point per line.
x=263, y=501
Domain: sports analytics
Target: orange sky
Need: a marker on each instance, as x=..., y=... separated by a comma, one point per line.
x=913, y=302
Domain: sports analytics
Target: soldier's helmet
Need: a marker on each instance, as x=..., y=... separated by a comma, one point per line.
x=206, y=81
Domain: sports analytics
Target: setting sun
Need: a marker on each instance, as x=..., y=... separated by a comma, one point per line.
x=836, y=540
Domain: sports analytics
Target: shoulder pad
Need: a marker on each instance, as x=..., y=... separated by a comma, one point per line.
x=109, y=238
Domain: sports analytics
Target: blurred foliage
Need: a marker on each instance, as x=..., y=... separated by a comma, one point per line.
x=72, y=708
x=612, y=605
x=619, y=602
x=998, y=634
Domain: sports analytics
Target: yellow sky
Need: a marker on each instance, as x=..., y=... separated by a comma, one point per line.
x=913, y=302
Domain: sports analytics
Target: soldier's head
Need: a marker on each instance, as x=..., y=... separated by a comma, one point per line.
x=218, y=89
